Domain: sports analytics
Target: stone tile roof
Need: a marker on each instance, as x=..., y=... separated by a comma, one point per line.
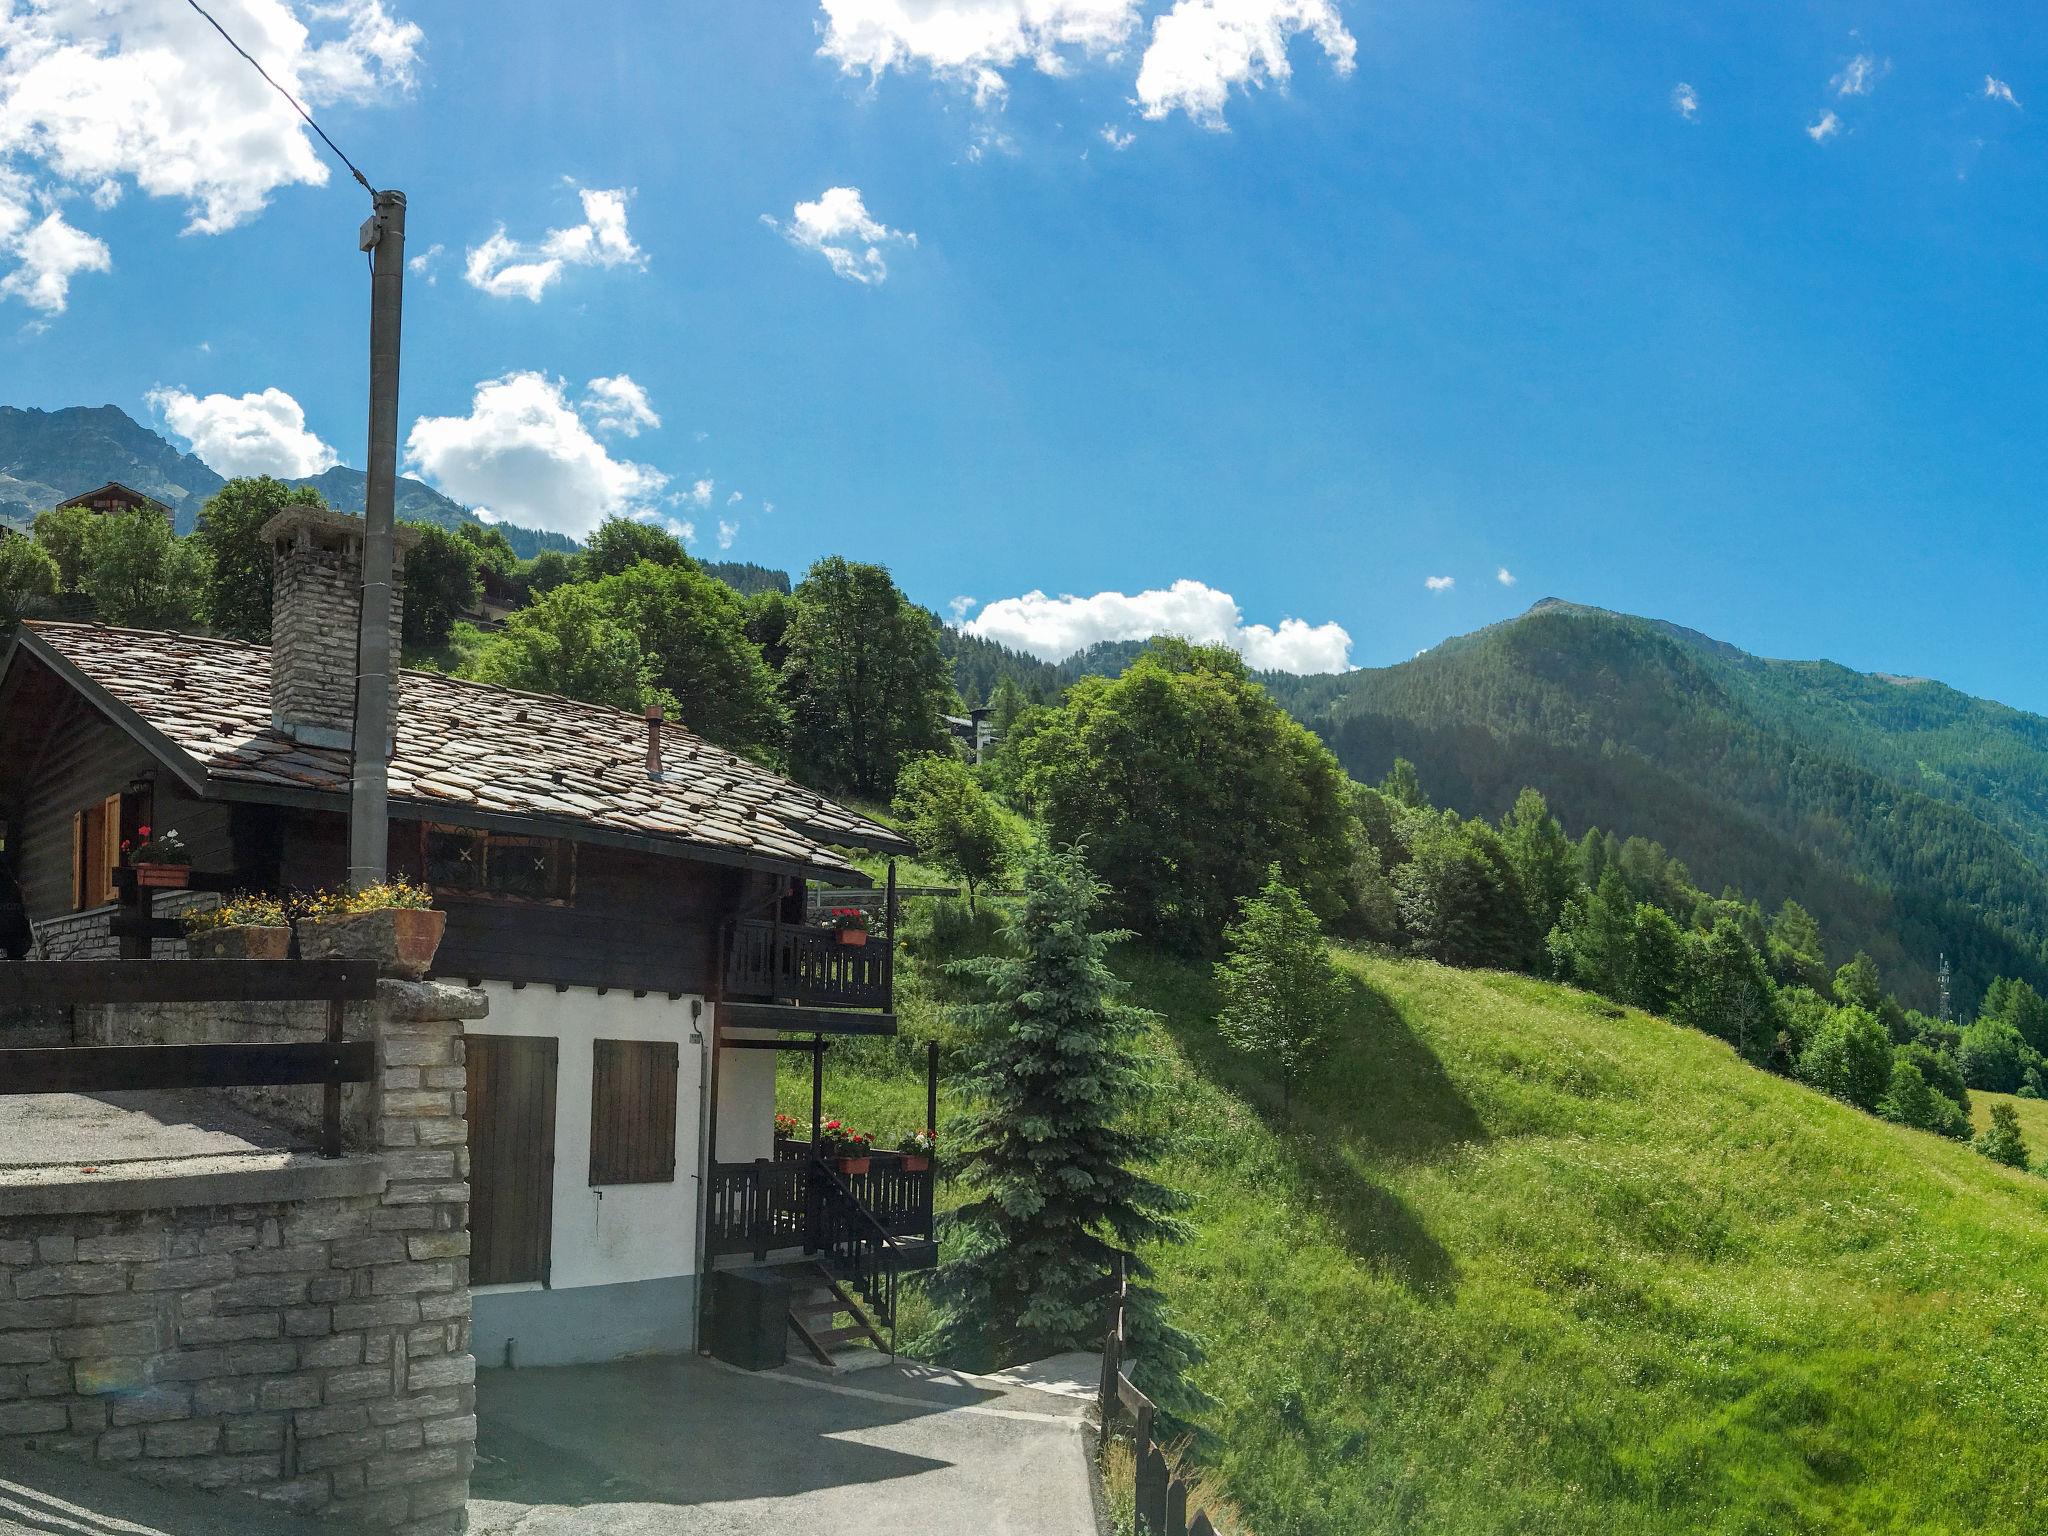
x=470, y=745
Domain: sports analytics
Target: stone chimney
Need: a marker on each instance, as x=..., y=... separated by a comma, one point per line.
x=316, y=603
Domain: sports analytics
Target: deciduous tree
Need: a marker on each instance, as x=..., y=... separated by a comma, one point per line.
x=230, y=530
x=955, y=823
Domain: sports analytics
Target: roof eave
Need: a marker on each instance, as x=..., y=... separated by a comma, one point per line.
x=190, y=773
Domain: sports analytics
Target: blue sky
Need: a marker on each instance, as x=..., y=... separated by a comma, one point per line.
x=1605, y=299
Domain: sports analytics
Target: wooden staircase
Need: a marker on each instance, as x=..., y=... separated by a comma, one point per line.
x=816, y=1305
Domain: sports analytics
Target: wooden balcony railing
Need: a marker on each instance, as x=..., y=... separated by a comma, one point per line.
x=761, y=1206
x=785, y=962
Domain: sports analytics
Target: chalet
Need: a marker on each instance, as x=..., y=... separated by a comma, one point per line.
x=629, y=897
x=114, y=497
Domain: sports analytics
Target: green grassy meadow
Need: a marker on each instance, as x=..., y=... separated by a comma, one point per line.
x=2033, y=1115
x=1521, y=1261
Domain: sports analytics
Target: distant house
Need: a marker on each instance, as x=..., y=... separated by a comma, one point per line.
x=973, y=731
x=629, y=896
x=114, y=497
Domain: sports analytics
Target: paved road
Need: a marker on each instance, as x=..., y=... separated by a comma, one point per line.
x=685, y=1447
x=57, y=1496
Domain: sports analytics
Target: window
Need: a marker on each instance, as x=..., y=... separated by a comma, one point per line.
x=97, y=833
x=633, y=1111
x=465, y=861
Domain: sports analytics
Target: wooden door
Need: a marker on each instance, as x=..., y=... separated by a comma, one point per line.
x=511, y=1157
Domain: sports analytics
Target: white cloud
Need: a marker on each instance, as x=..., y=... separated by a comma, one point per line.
x=422, y=265
x=1202, y=48
x=508, y=268
x=1824, y=128
x=1116, y=139
x=50, y=252
x=839, y=227
x=1439, y=583
x=1998, y=90
x=524, y=453
x=767, y=507
x=1055, y=627
x=682, y=528
x=1860, y=75
x=734, y=499
x=972, y=41
x=94, y=97
x=1504, y=576
x=255, y=434
x=619, y=405
x=958, y=608
x=727, y=532
x=1685, y=101
x=700, y=493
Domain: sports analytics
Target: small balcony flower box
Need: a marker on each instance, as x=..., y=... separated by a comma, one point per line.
x=390, y=924
x=851, y=924
x=161, y=863
x=240, y=928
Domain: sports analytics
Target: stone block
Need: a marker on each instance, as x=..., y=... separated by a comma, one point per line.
x=321, y=1289
x=252, y=1434
x=264, y=1358
x=394, y=1078
x=404, y=1437
x=88, y=1418
x=261, y=1292
x=227, y=1396
x=120, y=1445
x=411, y=1279
x=441, y=1308
x=227, y=1239
x=180, y=1439
x=322, y=1223
x=138, y=1338
x=25, y=1348
x=69, y=1280
x=388, y=1312
x=456, y=1431
x=341, y=1419
x=153, y=1405
x=425, y=1163
x=300, y=1258
x=358, y=1381
x=17, y=1250
x=230, y=1330
x=191, y=1365
x=57, y=1248
x=117, y=1308
x=52, y=1380
x=421, y=1466
x=33, y=1418
x=298, y=1493
x=54, y=1312
x=404, y=1102
x=335, y=1349
x=403, y=1218
x=445, y=1371
x=91, y=1378
x=441, y=1133
x=184, y=1274
x=284, y=1392
x=417, y=1050
x=379, y=1248
x=443, y=1077
x=125, y=1248
x=338, y=1450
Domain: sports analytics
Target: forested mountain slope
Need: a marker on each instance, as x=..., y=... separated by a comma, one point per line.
x=1911, y=819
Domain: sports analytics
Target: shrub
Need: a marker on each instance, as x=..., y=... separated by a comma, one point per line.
x=1850, y=1057
x=371, y=898
x=239, y=911
x=1281, y=992
x=2001, y=1140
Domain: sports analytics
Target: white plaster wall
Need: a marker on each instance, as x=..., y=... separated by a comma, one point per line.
x=620, y=1232
x=746, y=1101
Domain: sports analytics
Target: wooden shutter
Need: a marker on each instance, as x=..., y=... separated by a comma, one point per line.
x=511, y=1157
x=633, y=1111
x=110, y=847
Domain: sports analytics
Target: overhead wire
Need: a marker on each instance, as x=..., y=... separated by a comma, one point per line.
x=287, y=95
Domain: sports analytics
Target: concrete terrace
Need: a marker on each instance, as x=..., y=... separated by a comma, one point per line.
x=687, y=1447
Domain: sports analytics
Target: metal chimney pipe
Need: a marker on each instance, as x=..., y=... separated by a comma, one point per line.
x=654, y=741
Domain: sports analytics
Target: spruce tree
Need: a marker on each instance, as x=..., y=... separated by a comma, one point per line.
x=2001, y=1140
x=1053, y=1149
x=1281, y=993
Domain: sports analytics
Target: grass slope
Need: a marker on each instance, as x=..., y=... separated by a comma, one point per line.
x=1520, y=1261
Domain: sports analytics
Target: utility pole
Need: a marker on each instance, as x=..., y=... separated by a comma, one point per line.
x=383, y=235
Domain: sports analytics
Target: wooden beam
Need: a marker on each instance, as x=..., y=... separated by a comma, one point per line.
x=113, y=1068
x=59, y=983
x=821, y=1021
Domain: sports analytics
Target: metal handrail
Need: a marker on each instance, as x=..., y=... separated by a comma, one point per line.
x=878, y=1283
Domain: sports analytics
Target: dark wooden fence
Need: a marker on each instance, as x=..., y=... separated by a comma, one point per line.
x=1161, y=1493
x=331, y=1063
x=808, y=965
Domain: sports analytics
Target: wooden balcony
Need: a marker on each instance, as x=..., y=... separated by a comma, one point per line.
x=763, y=1206
x=808, y=966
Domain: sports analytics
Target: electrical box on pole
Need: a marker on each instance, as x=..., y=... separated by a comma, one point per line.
x=383, y=236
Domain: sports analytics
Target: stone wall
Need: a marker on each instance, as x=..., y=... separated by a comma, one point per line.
x=89, y=935
x=291, y=1327
x=316, y=613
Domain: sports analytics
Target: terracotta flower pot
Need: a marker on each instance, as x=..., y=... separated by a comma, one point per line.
x=915, y=1162
x=852, y=1165
x=241, y=941
x=853, y=938
x=405, y=937
x=163, y=877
